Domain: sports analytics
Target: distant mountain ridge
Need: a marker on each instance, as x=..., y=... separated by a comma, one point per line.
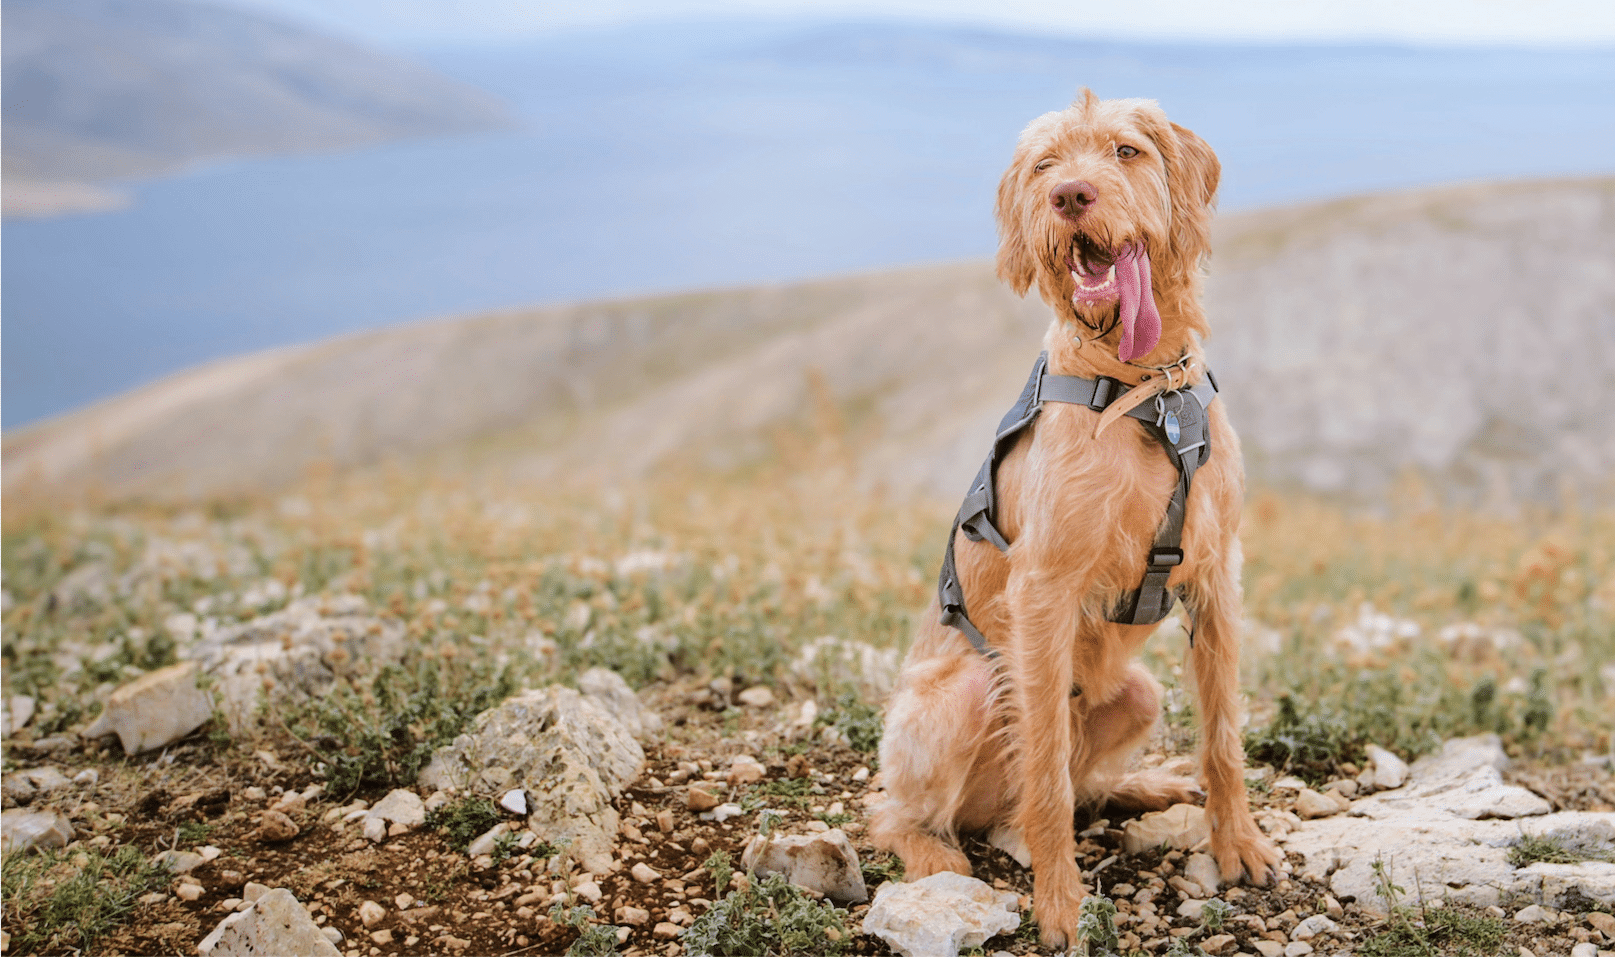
x=105, y=89
x=1465, y=334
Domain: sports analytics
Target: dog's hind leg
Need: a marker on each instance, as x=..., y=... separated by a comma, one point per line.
x=936, y=727
x=1116, y=729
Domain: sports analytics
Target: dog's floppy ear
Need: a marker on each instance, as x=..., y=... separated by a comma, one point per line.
x=1194, y=173
x=1015, y=265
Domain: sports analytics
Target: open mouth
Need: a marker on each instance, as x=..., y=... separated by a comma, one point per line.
x=1122, y=274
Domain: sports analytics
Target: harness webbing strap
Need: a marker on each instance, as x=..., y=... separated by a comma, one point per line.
x=1183, y=410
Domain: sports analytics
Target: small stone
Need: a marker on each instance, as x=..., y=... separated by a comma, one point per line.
x=382, y=936
x=1332, y=907
x=1602, y=922
x=292, y=802
x=1192, y=909
x=88, y=777
x=723, y=812
x=20, y=830
x=861, y=775
x=1297, y=948
x=514, y=801
x=401, y=806
x=254, y=793
x=945, y=913
x=823, y=863
x=1310, y=805
x=371, y=914
x=398, y=830
x=179, y=862
x=1345, y=787
x=254, y=890
x=188, y=892
x=488, y=842
x=589, y=891
x=375, y=830
x=332, y=934
x=155, y=897
x=1584, y=949
x=154, y=710
x=633, y=916
x=1312, y=927
x=208, y=852
x=664, y=821
x=745, y=769
x=1181, y=826
x=404, y=900
x=1268, y=948
x=1202, y=869
x=275, y=828
x=1219, y=944
x=757, y=696
x=642, y=873
x=1535, y=913
x=665, y=929
x=1388, y=770
x=699, y=798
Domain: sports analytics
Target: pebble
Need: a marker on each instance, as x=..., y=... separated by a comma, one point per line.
x=723, y=812
x=1297, y=948
x=1535, y=913
x=757, y=696
x=1584, y=949
x=276, y=828
x=1269, y=948
x=1311, y=805
x=188, y=892
x=589, y=891
x=1219, y=944
x=371, y=914
x=87, y=777
x=404, y=900
x=745, y=769
x=1332, y=907
x=1312, y=927
x=1192, y=909
x=254, y=890
x=514, y=801
x=670, y=931
x=633, y=916
x=664, y=821
x=1601, y=922
x=642, y=873
x=254, y=793
x=698, y=798
x=375, y=830
x=861, y=775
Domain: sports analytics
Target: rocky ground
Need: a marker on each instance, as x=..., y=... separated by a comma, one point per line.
x=372, y=874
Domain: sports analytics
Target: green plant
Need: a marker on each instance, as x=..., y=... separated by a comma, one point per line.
x=1096, y=926
x=384, y=737
x=464, y=821
x=771, y=916
x=878, y=872
x=192, y=832
x=594, y=940
x=720, y=865
x=1449, y=931
x=858, y=722
x=1550, y=850
x=1309, y=744
x=1215, y=914
x=57, y=902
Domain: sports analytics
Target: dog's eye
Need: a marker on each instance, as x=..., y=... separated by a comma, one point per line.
x=1126, y=152
x=1043, y=166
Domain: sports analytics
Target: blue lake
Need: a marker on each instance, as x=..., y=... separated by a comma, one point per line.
x=697, y=155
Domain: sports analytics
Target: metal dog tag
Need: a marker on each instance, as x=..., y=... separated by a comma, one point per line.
x=1172, y=430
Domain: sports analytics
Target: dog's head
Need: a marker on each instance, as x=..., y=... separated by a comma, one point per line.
x=1102, y=182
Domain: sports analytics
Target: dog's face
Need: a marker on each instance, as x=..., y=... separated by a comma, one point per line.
x=1100, y=181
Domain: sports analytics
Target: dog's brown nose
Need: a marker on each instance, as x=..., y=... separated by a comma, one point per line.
x=1072, y=199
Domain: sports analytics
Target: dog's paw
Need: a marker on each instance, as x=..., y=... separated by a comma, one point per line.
x=933, y=857
x=1057, y=912
x=1245, y=850
x=1154, y=791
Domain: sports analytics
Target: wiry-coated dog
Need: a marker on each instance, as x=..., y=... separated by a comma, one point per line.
x=972, y=741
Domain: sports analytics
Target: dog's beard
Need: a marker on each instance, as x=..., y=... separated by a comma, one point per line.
x=1121, y=275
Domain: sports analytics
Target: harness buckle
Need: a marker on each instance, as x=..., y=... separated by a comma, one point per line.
x=1165, y=557
x=1104, y=390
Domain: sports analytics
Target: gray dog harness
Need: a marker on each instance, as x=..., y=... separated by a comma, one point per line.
x=1177, y=419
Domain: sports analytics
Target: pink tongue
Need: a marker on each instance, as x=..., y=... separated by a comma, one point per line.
x=1141, y=323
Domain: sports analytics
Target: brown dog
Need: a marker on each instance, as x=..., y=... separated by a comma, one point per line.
x=972, y=742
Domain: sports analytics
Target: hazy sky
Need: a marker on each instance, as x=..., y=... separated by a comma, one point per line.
x=1464, y=22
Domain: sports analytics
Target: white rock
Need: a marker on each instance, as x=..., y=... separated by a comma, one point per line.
x=179, y=862
x=20, y=711
x=1269, y=948
x=1288, y=783
x=723, y=812
x=253, y=891
x=831, y=663
x=488, y=842
x=401, y=806
x=589, y=891
x=371, y=914
x=1011, y=841
x=188, y=892
x=824, y=862
x=1584, y=949
x=940, y=915
x=89, y=777
x=643, y=873
x=1181, y=826
x=1425, y=836
x=1389, y=771
x=1202, y=869
x=757, y=696
x=571, y=757
x=514, y=801
x=20, y=830
x=154, y=710
x=332, y=933
x=375, y=830
x=276, y=924
x=1192, y=909
x=1297, y=948
x=1312, y=927
x=612, y=693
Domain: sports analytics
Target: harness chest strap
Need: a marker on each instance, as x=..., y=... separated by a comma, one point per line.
x=1181, y=411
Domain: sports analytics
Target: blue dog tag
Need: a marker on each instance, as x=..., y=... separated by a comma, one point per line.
x=1172, y=430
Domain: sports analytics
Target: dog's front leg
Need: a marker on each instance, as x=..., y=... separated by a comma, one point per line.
x=1043, y=617
x=1236, y=841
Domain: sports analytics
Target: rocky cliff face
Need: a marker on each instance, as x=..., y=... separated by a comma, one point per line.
x=1466, y=335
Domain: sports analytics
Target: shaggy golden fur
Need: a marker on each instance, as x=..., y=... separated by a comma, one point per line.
x=969, y=743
